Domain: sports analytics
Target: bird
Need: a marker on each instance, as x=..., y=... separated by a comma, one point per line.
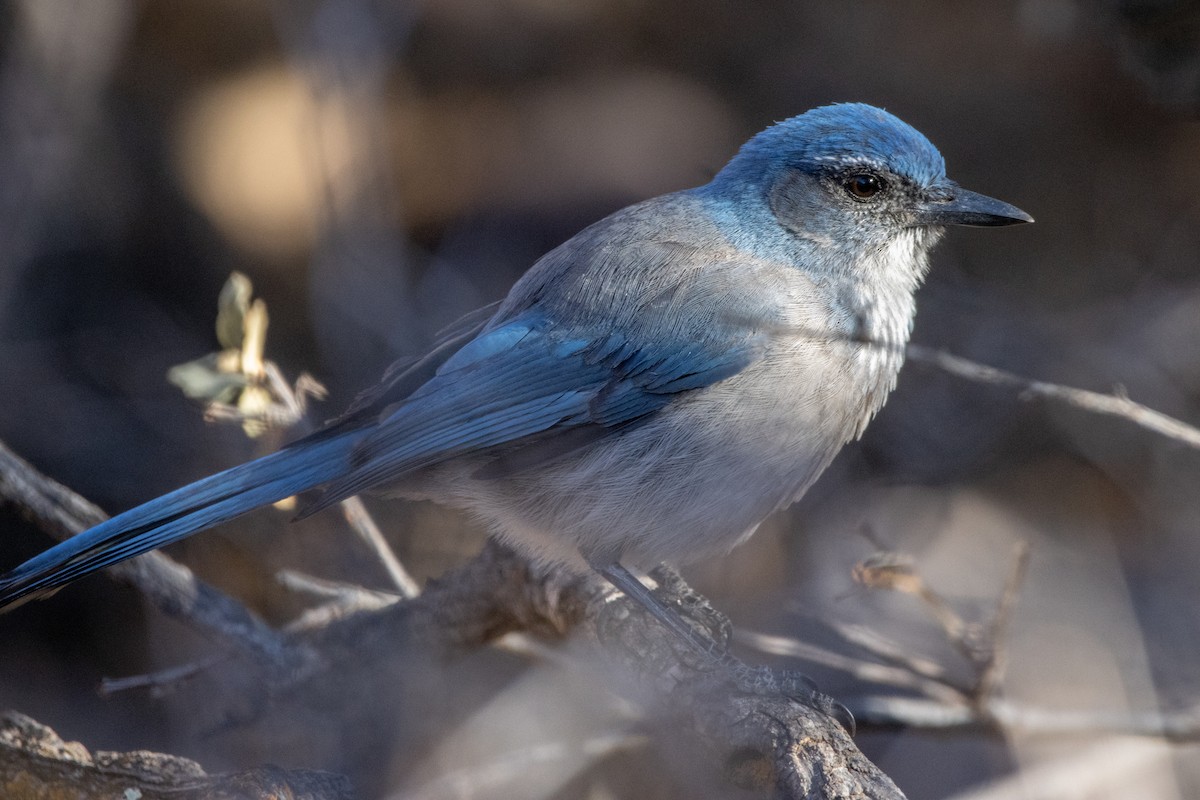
x=650, y=390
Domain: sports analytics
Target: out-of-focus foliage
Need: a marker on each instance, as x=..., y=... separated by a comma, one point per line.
x=379, y=168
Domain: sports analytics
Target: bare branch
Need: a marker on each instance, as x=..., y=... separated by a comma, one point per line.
x=900, y=677
x=947, y=706
x=881, y=647
x=38, y=765
x=897, y=573
x=992, y=674
x=1113, y=405
x=765, y=737
x=1000, y=714
x=364, y=525
x=164, y=681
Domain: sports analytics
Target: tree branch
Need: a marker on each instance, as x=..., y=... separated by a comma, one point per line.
x=35, y=764
x=1112, y=405
x=763, y=740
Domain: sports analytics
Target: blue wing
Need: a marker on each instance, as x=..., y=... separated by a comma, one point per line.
x=525, y=382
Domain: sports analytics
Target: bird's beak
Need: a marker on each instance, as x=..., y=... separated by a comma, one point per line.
x=959, y=207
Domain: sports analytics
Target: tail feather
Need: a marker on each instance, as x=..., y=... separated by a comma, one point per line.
x=175, y=516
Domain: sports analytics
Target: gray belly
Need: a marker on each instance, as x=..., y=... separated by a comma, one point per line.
x=691, y=482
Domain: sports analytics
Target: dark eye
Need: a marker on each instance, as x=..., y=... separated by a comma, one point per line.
x=863, y=186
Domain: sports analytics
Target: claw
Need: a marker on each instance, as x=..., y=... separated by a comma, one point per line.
x=687, y=606
x=844, y=718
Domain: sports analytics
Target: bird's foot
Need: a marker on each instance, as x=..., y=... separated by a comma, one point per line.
x=701, y=645
x=701, y=634
x=694, y=607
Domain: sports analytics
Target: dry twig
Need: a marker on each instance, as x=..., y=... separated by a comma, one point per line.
x=945, y=705
x=35, y=764
x=1112, y=405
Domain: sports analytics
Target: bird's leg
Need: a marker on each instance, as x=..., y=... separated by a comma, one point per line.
x=635, y=590
x=759, y=680
x=693, y=605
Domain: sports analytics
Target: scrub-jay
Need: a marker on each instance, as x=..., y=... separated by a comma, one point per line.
x=652, y=388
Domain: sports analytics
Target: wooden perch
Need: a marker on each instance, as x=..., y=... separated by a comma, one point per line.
x=35, y=764
x=763, y=740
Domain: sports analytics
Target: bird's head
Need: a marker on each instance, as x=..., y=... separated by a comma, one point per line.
x=852, y=175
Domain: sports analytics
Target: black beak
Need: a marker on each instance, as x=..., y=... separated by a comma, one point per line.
x=960, y=207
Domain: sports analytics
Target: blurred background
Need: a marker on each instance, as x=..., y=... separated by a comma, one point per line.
x=379, y=168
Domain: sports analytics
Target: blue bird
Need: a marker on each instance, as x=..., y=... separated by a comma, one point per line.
x=648, y=391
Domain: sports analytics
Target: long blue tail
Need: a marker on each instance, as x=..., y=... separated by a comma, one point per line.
x=193, y=508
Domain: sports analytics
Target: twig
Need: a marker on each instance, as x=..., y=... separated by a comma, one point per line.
x=894, y=676
x=162, y=682
x=325, y=589
x=531, y=649
x=1114, y=405
x=898, y=573
x=947, y=706
x=364, y=525
x=343, y=600
x=884, y=648
x=982, y=646
x=997, y=713
x=992, y=674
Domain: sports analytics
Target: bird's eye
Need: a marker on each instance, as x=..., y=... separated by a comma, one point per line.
x=863, y=186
